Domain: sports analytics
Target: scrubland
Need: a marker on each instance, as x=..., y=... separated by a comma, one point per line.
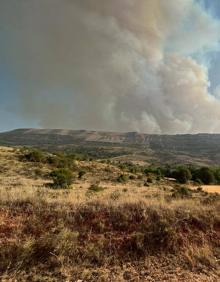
x=108, y=225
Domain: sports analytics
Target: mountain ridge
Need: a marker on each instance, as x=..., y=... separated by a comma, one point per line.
x=201, y=147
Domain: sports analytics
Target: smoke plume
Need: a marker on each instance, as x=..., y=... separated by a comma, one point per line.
x=123, y=65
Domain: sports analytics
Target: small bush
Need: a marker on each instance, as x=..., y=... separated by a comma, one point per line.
x=182, y=192
x=35, y=156
x=96, y=188
x=65, y=161
x=122, y=178
x=62, y=178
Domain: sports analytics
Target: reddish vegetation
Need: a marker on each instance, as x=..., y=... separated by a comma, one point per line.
x=97, y=235
x=104, y=231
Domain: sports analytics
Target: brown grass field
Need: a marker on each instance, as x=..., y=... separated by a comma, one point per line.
x=120, y=232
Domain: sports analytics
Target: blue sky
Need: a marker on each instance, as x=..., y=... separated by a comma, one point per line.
x=213, y=6
x=91, y=66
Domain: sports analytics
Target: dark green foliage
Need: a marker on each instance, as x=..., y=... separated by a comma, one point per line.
x=34, y=155
x=182, y=175
x=167, y=171
x=53, y=160
x=58, y=160
x=130, y=167
x=104, y=151
x=154, y=170
x=62, y=178
x=62, y=160
x=206, y=175
x=198, y=181
x=122, y=178
x=65, y=161
x=217, y=174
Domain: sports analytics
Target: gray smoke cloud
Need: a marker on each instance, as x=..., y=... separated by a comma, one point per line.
x=112, y=65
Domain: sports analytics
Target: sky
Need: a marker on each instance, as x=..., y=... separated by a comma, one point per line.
x=150, y=66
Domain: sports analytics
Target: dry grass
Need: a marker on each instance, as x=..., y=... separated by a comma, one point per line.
x=119, y=233
x=211, y=188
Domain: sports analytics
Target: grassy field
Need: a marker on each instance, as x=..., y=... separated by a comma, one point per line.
x=103, y=228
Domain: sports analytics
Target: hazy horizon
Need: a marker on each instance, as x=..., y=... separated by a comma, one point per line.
x=108, y=131
x=148, y=66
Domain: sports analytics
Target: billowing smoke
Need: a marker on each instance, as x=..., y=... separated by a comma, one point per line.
x=128, y=65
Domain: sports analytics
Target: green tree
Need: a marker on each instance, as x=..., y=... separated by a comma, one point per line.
x=182, y=175
x=206, y=175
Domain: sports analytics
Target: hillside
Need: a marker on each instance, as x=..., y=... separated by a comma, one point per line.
x=104, y=227
x=197, y=149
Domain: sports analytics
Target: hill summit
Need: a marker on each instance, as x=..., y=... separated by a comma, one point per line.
x=185, y=148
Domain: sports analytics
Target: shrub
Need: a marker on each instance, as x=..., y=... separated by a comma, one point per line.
x=35, y=155
x=65, y=161
x=96, y=188
x=122, y=178
x=62, y=178
x=154, y=170
x=182, y=192
x=53, y=160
